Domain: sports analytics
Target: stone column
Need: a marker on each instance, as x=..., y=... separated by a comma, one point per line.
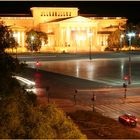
x=23, y=39
x=18, y=39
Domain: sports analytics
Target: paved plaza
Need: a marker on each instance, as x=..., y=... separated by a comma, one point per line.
x=101, y=77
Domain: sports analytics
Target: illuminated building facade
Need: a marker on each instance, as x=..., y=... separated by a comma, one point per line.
x=67, y=30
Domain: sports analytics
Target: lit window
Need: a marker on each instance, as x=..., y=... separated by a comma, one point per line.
x=105, y=17
x=118, y=17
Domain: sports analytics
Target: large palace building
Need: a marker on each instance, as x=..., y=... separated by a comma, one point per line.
x=67, y=30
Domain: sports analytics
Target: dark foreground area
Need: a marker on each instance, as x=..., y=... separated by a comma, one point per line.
x=93, y=124
x=96, y=126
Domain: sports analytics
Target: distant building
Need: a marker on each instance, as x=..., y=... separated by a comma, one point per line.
x=67, y=31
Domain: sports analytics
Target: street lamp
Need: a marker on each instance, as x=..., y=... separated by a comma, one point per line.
x=90, y=43
x=15, y=36
x=130, y=35
x=32, y=39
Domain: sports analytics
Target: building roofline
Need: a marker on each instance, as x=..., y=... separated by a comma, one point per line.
x=55, y=7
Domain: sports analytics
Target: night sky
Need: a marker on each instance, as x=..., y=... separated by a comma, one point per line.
x=128, y=9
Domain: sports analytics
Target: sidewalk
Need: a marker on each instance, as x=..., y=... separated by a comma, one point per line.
x=62, y=91
x=64, y=104
x=132, y=99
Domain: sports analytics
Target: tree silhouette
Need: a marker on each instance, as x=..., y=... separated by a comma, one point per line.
x=114, y=40
x=6, y=37
x=34, y=40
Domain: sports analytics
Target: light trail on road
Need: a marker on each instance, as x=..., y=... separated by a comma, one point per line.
x=24, y=80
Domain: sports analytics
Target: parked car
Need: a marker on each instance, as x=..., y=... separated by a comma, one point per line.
x=128, y=119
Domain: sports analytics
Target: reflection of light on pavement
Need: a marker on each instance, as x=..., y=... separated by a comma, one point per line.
x=37, y=77
x=122, y=69
x=77, y=69
x=90, y=73
x=39, y=90
x=106, y=71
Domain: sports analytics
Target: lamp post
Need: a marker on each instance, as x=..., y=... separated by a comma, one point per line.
x=15, y=36
x=32, y=39
x=90, y=44
x=130, y=35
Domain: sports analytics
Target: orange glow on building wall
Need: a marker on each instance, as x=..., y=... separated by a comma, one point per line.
x=66, y=30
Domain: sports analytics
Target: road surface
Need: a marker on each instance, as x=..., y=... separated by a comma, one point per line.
x=103, y=76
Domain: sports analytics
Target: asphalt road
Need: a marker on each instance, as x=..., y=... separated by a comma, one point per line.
x=66, y=76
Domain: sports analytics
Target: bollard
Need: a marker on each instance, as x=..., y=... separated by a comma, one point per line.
x=125, y=92
x=37, y=65
x=125, y=89
x=47, y=91
x=74, y=99
x=75, y=102
x=93, y=101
